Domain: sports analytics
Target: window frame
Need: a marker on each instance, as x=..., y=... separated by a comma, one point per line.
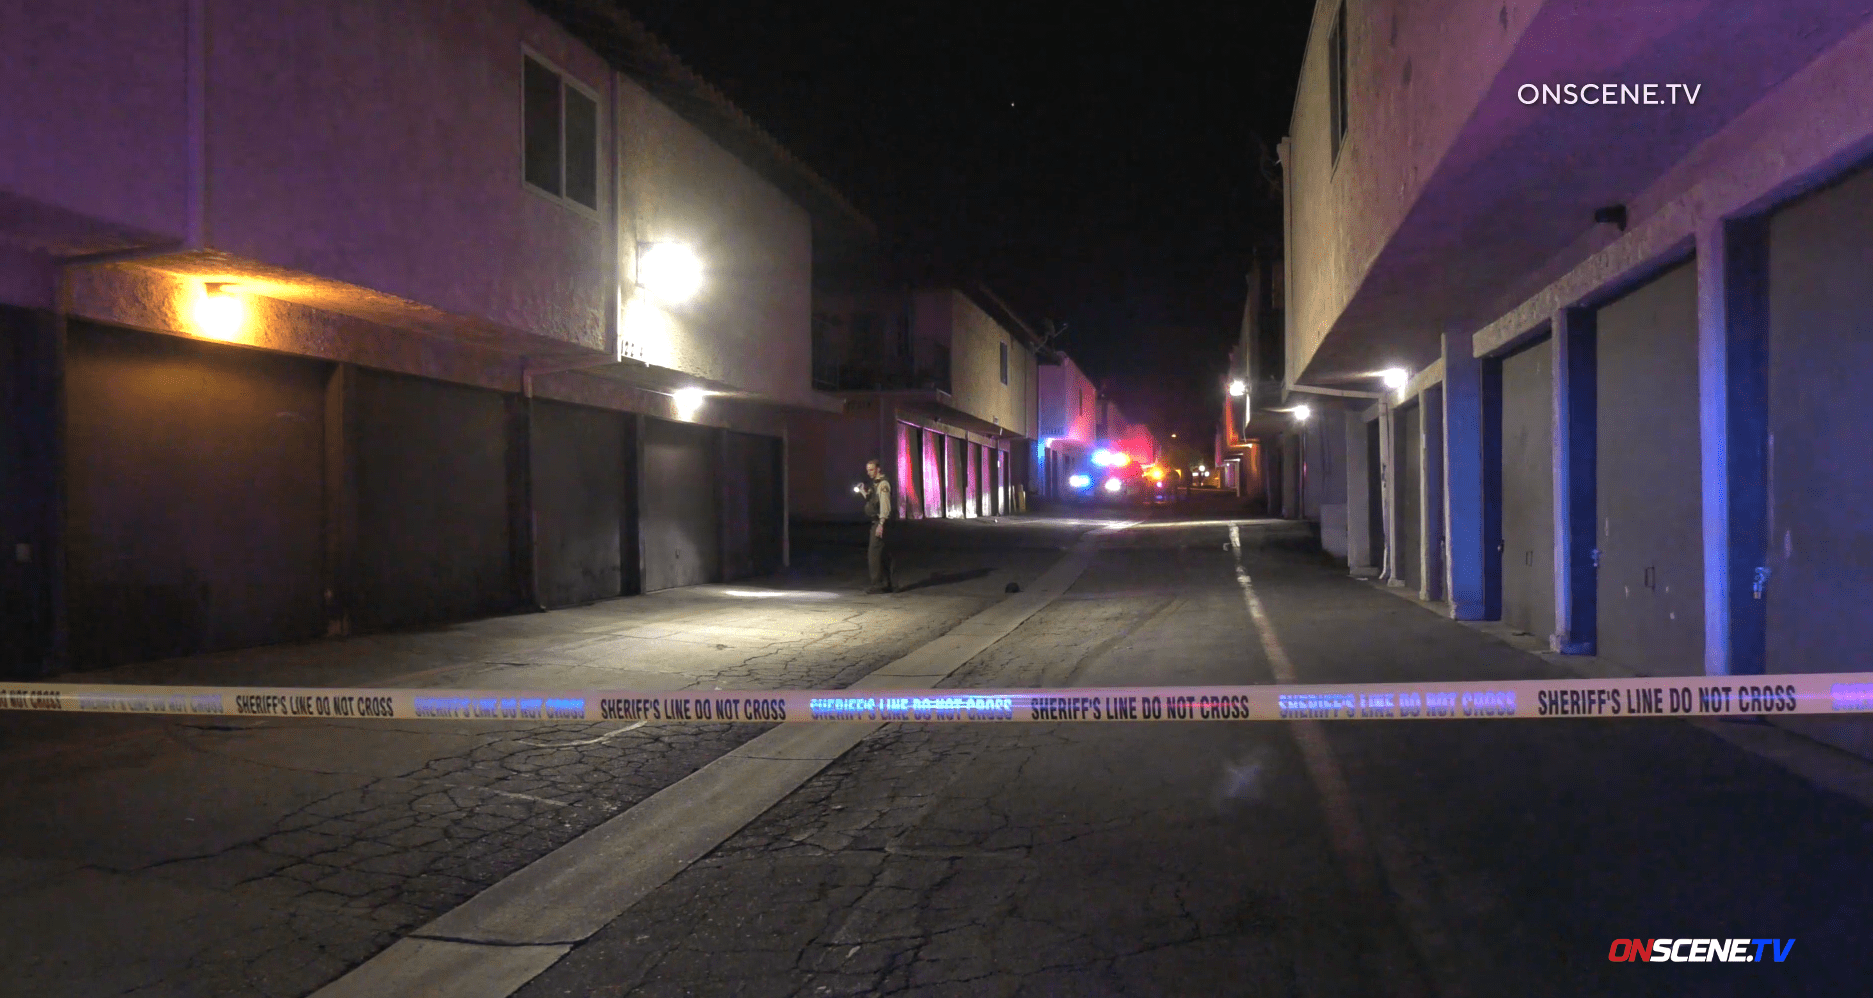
x=599, y=132
x=1004, y=362
x=1337, y=71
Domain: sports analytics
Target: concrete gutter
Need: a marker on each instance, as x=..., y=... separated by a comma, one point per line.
x=497, y=941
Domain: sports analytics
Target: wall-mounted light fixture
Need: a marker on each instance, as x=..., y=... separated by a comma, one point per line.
x=221, y=313
x=1238, y=387
x=688, y=401
x=671, y=271
x=1395, y=378
x=1301, y=412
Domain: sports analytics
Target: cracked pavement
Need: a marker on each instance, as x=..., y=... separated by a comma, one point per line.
x=202, y=856
x=1081, y=860
x=209, y=858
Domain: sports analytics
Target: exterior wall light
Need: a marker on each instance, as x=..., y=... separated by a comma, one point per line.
x=221, y=313
x=671, y=271
x=688, y=401
x=1238, y=387
x=1301, y=412
x=1395, y=377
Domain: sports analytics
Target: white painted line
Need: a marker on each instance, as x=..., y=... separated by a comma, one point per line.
x=1344, y=831
x=433, y=968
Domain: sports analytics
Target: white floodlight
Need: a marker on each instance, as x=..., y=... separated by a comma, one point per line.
x=671, y=271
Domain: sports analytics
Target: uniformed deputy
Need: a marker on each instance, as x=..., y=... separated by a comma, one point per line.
x=878, y=509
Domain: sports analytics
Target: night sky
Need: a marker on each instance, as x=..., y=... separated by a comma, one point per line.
x=1107, y=166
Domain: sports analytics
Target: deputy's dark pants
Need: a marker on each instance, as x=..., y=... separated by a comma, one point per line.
x=879, y=555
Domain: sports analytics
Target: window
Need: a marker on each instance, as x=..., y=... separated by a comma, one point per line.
x=1336, y=80
x=1004, y=363
x=561, y=140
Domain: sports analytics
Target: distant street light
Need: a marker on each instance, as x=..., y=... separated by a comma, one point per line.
x=1238, y=387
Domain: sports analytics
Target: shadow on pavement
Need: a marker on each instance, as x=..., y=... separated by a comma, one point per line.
x=945, y=579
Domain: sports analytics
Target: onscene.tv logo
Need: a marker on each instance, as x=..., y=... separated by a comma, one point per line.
x=1700, y=950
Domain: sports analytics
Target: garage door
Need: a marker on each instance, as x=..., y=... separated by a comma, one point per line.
x=909, y=472
x=435, y=541
x=581, y=503
x=1649, y=591
x=1407, y=454
x=956, y=484
x=751, y=507
x=932, y=474
x=1528, y=490
x=681, y=522
x=1820, y=528
x=195, y=496
x=1375, y=491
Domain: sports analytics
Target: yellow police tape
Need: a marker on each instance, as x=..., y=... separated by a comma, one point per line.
x=1665, y=696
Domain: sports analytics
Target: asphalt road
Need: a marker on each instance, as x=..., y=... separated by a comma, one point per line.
x=152, y=858
x=1458, y=858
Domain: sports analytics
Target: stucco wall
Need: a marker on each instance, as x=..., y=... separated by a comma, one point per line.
x=365, y=157
x=975, y=379
x=378, y=142
x=749, y=325
x=99, y=129
x=1061, y=386
x=1415, y=74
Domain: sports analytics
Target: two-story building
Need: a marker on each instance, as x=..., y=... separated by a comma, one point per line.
x=1254, y=429
x=938, y=384
x=1069, y=407
x=341, y=315
x=1614, y=257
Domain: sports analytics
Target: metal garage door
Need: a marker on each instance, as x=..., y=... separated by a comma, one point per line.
x=195, y=498
x=1649, y=592
x=909, y=472
x=434, y=529
x=1407, y=455
x=681, y=522
x=751, y=506
x=1820, y=526
x=956, y=480
x=581, y=503
x=1528, y=490
x=932, y=474
x=1375, y=491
